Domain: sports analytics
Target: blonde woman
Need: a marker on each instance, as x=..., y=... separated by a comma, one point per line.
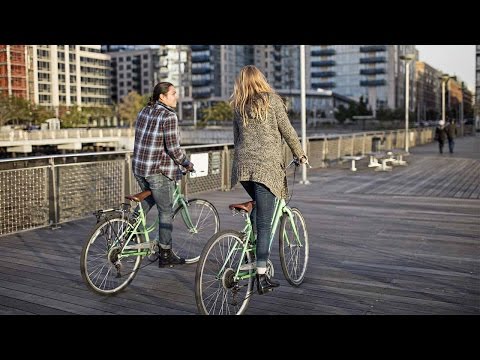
x=260, y=122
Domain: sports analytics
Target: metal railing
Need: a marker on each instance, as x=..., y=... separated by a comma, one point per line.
x=49, y=190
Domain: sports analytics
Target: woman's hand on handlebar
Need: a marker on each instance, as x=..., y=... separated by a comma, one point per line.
x=303, y=160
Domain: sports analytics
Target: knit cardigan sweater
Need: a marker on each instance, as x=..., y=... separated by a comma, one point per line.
x=258, y=154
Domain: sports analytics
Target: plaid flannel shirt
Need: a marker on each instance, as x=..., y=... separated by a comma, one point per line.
x=157, y=143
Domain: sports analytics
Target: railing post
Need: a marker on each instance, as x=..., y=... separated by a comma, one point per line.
x=225, y=169
x=363, y=143
x=324, y=151
x=128, y=188
x=339, y=147
x=53, y=198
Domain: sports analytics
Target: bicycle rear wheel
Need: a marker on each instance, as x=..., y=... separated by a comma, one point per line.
x=217, y=292
x=101, y=265
x=293, y=252
x=188, y=242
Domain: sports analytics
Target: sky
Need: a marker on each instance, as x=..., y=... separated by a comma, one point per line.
x=451, y=59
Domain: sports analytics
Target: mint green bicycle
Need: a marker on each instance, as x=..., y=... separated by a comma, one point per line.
x=225, y=276
x=112, y=255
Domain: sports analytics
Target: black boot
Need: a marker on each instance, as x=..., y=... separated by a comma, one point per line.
x=265, y=284
x=166, y=257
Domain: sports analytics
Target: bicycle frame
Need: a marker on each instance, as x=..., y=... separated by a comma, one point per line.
x=179, y=200
x=250, y=241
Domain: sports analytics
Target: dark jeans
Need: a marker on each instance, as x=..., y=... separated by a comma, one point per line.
x=261, y=217
x=451, y=144
x=162, y=191
x=440, y=146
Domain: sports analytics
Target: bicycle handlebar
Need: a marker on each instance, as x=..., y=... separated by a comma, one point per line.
x=187, y=171
x=298, y=163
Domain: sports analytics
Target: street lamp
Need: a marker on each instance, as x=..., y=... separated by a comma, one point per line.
x=303, y=112
x=445, y=78
x=407, y=59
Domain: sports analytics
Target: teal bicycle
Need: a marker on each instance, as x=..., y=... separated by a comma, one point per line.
x=112, y=255
x=225, y=276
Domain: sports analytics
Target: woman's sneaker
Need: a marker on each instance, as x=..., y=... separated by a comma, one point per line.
x=167, y=257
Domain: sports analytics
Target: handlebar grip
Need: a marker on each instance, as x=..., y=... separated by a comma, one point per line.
x=185, y=172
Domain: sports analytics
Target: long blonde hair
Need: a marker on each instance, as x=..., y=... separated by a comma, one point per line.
x=250, y=96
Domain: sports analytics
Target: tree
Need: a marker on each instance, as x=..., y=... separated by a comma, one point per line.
x=221, y=111
x=13, y=108
x=341, y=114
x=129, y=107
x=361, y=108
x=38, y=114
x=74, y=117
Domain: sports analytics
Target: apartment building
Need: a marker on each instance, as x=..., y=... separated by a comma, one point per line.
x=13, y=71
x=134, y=70
x=428, y=89
x=214, y=69
x=70, y=75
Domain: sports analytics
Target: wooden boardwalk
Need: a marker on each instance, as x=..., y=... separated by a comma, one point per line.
x=400, y=242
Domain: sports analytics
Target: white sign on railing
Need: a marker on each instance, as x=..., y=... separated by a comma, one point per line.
x=200, y=163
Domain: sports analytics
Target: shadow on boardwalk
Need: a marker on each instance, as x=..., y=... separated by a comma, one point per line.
x=400, y=242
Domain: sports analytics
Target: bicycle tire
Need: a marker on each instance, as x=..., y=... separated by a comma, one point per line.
x=186, y=243
x=107, y=256
x=294, y=261
x=209, y=287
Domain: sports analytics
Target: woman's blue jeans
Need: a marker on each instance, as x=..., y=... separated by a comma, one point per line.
x=162, y=192
x=261, y=218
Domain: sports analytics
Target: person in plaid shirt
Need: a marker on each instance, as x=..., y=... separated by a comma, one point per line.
x=157, y=157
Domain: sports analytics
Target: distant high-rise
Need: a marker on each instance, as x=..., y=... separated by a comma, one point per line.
x=139, y=68
x=373, y=72
x=428, y=85
x=214, y=68
x=133, y=70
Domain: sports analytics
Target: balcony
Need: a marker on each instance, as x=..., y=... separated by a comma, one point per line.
x=323, y=85
x=201, y=82
x=200, y=94
x=369, y=83
x=201, y=70
x=323, y=74
x=373, y=60
x=372, y=71
x=373, y=48
x=200, y=58
x=323, y=52
x=199, y=47
x=323, y=63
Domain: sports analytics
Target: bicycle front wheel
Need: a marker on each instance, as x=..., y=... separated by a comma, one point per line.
x=193, y=226
x=102, y=266
x=217, y=291
x=293, y=250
